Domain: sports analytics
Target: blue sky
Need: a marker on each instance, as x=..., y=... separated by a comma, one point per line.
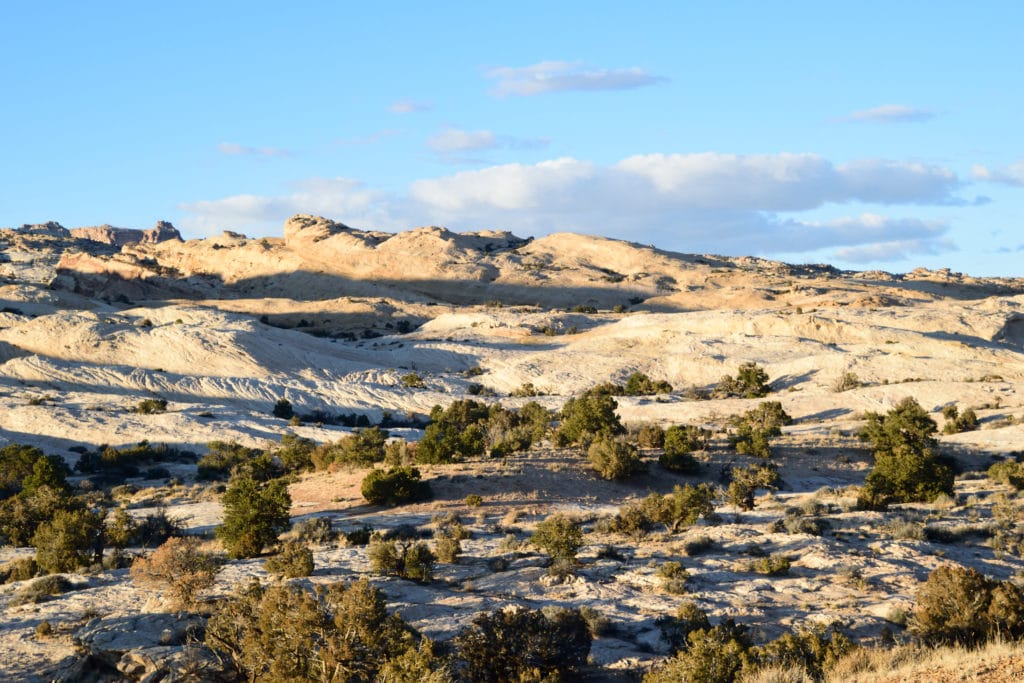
x=864, y=134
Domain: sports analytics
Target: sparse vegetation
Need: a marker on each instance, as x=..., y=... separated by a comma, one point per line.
x=960, y=605
x=394, y=486
x=284, y=632
x=588, y=417
x=559, y=537
x=614, y=458
x=408, y=560
x=639, y=384
x=255, y=514
x=180, y=568
x=906, y=466
x=957, y=422
x=294, y=560
x=523, y=645
x=751, y=381
x=151, y=406
x=746, y=481
x=413, y=380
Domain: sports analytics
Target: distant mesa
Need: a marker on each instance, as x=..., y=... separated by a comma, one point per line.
x=119, y=237
x=48, y=229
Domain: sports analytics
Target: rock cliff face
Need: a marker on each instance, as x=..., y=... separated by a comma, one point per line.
x=119, y=237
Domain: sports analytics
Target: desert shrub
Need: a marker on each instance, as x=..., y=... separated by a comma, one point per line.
x=410, y=560
x=122, y=528
x=751, y=381
x=294, y=560
x=588, y=417
x=315, y=530
x=412, y=380
x=362, y=448
x=687, y=619
x=47, y=471
x=672, y=576
x=447, y=546
x=639, y=384
x=473, y=500
x=957, y=422
x=1009, y=472
x=756, y=426
x=151, y=406
x=711, y=654
x=906, y=466
x=225, y=457
x=614, y=458
x=633, y=521
x=394, y=486
x=685, y=439
x=559, y=537
x=21, y=515
x=127, y=461
x=904, y=528
x=845, y=382
x=745, y=482
x=522, y=645
x=775, y=564
x=698, y=545
x=454, y=433
x=526, y=390
x=44, y=588
x=597, y=623
x=22, y=569
x=650, y=435
x=283, y=409
x=72, y=539
x=682, y=508
x=680, y=442
x=509, y=431
x=795, y=522
x=284, y=632
x=813, y=650
x=26, y=467
x=155, y=528
x=178, y=567
x=359, y=536
x=255, y=514
x=295, y=452
x=535, y=418
x=961, y=605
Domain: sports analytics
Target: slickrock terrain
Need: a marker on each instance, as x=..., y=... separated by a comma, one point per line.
x=357, y=327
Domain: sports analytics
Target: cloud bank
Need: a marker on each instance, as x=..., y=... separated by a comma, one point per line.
x=891, y=113
x=547, y=77
x=1010, y=175
x=408, y=107
x=711, y=202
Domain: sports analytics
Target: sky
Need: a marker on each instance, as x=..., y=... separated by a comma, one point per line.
x=868, y=135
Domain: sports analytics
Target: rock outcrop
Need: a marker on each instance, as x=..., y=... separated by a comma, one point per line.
x=119, y=237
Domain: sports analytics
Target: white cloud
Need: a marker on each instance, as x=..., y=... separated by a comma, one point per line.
x=694, y=182
x=456, y=140
x=452, y=143
x=1009, y=175
x=234, y=149
x=252, y=214
x=891, y=113
x=897, y=250
x=409, y=107
x=704, y=203
x=545, y=77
